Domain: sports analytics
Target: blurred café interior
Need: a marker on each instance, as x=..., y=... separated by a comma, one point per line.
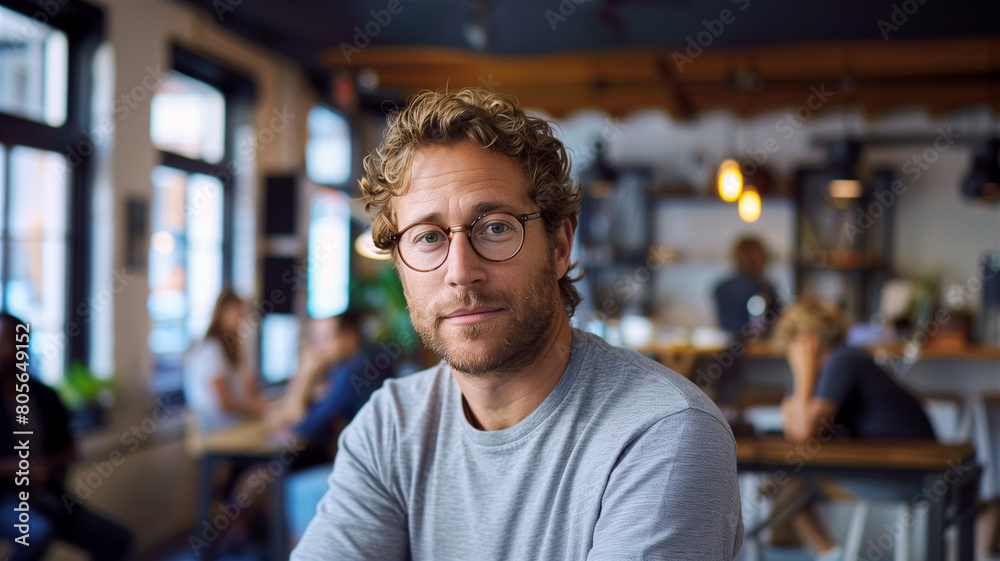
x=734, y=157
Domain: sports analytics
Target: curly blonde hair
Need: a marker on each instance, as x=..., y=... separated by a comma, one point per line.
x=810, y=315
x=492, y=121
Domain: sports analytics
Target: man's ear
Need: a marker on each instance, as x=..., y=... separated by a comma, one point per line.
x=563, y=248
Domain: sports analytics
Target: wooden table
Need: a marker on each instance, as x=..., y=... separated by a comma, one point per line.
x=246, y=444
x=947, y=473
x=765, y=349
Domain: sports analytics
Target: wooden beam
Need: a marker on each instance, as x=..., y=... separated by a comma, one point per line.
x=939, y=75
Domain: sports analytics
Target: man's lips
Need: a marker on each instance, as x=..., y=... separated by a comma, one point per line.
x=473, y=314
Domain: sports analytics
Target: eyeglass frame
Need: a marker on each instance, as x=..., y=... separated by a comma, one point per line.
x=467, y=228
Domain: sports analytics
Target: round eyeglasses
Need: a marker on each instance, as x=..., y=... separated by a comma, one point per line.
x=495, y=236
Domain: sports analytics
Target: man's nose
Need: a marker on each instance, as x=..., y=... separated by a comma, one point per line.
x=464, y=266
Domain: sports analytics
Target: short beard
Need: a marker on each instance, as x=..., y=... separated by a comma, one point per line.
x=516, y=347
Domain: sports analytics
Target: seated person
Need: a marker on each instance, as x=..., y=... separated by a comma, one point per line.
x=337, y=374
x=53, y=512
x=219, y=386
x=839, y=391
x=317, y=407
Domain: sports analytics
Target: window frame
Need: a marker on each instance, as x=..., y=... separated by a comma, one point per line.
x=238, y=91
x=83, y=25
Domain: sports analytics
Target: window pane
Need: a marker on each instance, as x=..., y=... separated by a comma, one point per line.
x=3, y=199
x=279, y=339
x=167, y=268
x=188, y=118
x=185, y=267
x=33, y=69
x=38, y=197
x=244, y=248
x=204, y=235
x=328, y=151
x=329, y=255
x=37, y=243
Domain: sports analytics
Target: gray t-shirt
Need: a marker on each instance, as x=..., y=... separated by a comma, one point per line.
x=624, y=459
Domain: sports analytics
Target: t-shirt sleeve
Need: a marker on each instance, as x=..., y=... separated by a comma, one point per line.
x=358, y=517
x=673, y=495
x=837, y=377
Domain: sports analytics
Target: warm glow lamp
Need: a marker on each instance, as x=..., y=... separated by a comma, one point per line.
x=365, y=247
x=749, y=205
x=730, y=180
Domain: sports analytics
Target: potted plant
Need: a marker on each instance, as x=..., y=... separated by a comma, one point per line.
x=85, y=395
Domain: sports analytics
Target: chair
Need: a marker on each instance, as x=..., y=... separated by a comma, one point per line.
x=952, y=422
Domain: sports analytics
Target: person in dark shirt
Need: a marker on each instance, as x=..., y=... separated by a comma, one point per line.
x=838, y=392
x=318, y=409
x=348, y=371
x=733, y=295
x=837, y=385
x=51, y=513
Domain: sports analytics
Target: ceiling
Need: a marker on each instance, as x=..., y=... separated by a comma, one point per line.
x=753, y=54
x=304, y=29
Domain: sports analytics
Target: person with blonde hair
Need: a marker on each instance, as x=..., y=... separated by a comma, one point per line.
x=530, y=439
x=838, y=392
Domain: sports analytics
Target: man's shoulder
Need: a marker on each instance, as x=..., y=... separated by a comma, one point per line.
x=400, y=400
x=625, y=379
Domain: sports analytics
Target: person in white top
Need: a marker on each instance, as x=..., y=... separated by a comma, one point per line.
x=218, y=384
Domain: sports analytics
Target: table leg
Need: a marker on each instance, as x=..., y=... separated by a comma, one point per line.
x=204, y=503
x=279, y=530
x=966, y=495
x=935, y=523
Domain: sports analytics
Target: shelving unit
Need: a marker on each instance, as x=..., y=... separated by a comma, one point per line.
x=843, y=244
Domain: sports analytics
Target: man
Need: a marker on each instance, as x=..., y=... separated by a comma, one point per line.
x=530, y=440
x=52, y=512
x=733, y=295
x=314, y=409
x=317, y=410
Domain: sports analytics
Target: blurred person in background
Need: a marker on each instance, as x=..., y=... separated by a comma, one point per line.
x=741, y=304
x=219, y=386
x=221, y=390
x=338, y=371
x=52, y=512
x=839, y=392
x=733, y=295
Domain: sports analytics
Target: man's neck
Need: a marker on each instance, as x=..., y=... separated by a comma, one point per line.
x=501, y=401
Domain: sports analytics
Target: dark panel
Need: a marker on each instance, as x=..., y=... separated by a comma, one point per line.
x=280, y=205
x=276, y=271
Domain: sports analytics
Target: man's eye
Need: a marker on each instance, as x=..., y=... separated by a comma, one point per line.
x=430, y=237
x=497, y=228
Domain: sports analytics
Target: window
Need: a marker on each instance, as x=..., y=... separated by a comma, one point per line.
x=279, y=352
x=328, y=151
x=195, y=121
x=35, y=232
x=33, y=69
x=329, y=254
x=188, y=118
x=46, y=63
x=185, y=266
